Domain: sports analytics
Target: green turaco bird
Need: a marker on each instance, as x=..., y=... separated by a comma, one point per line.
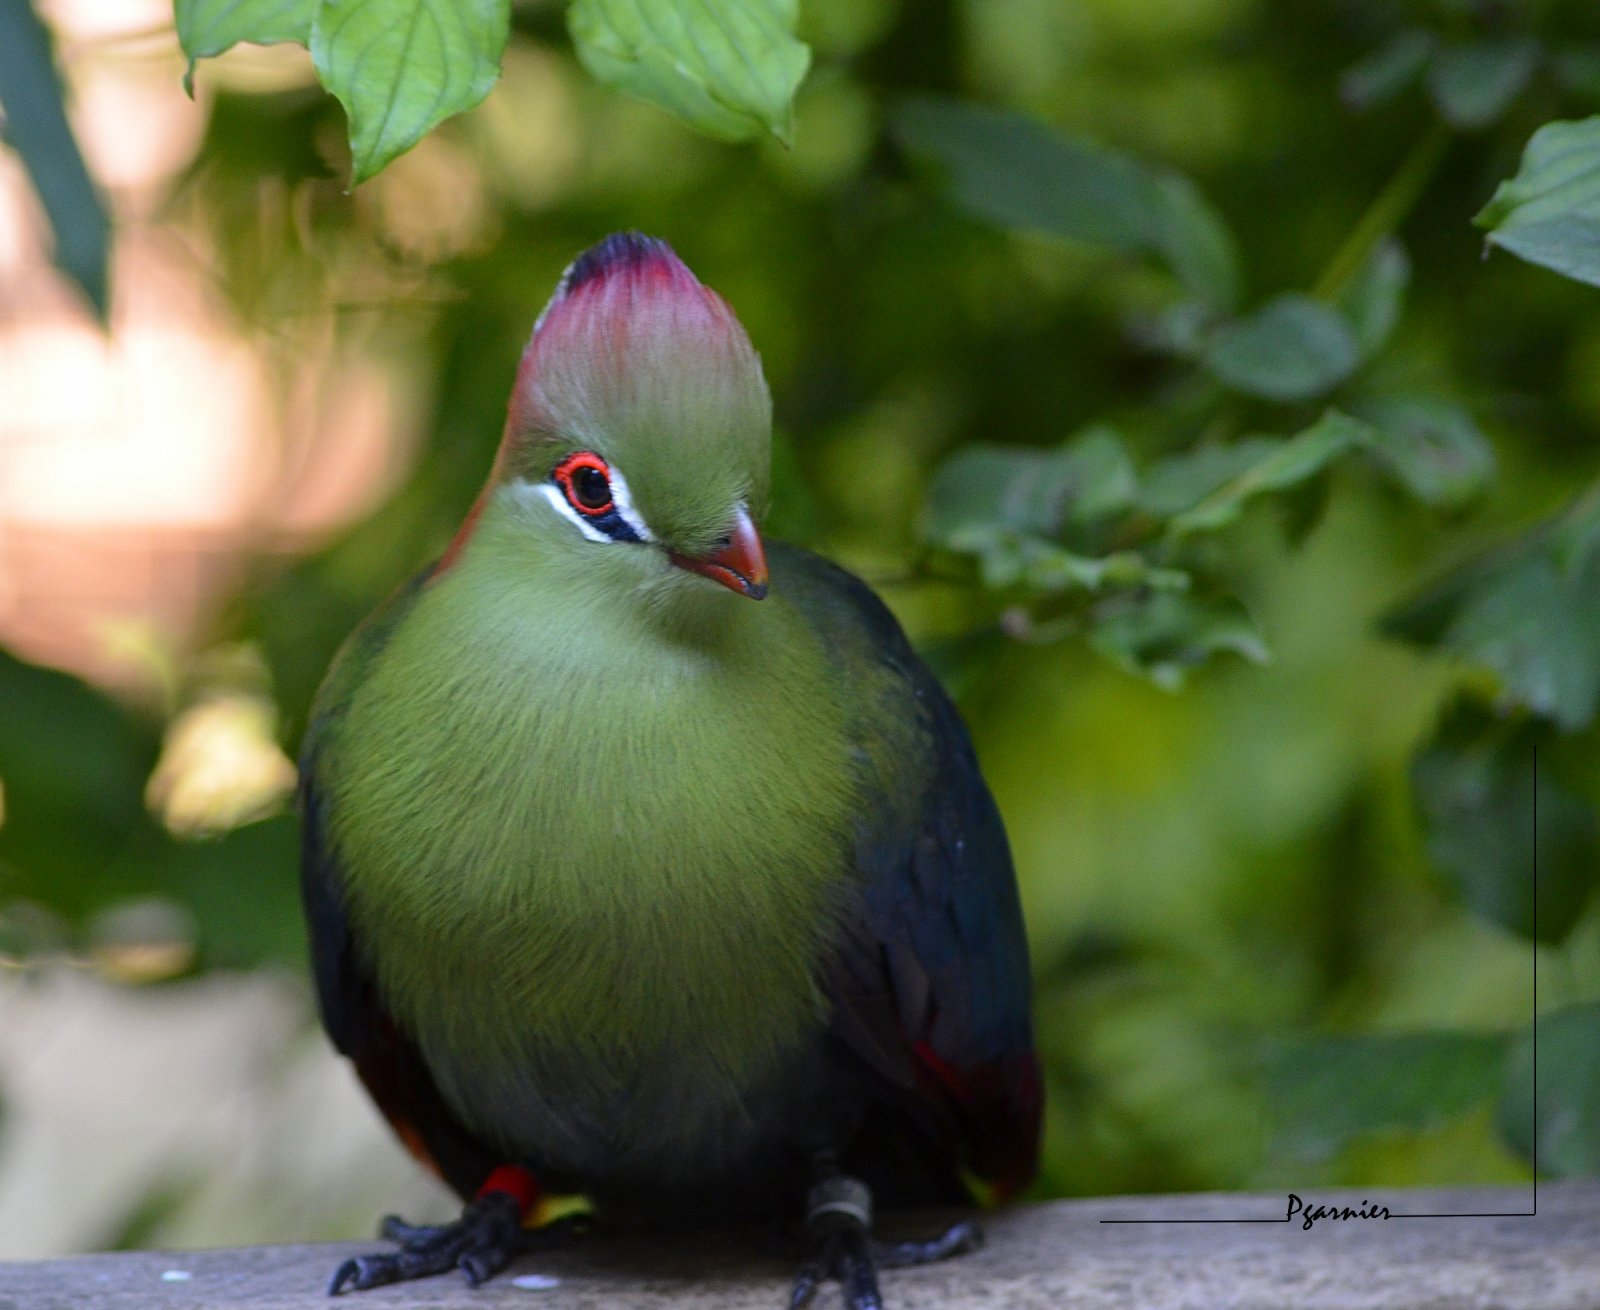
x=638, y=872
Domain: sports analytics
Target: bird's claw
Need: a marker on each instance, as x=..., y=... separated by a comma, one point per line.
x=488, y=1236
x=958, y=1239
x=841, y=1246
x=844, y=1253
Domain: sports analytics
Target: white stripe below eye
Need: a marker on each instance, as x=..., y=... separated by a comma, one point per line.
x=557, y=497
x=620, y=497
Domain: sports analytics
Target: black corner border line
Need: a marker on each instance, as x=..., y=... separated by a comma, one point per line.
x=1448, y=1214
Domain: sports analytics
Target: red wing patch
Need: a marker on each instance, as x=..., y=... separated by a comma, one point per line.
x=998, y=1107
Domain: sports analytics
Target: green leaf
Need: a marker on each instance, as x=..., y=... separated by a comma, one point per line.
x=1166, y=634
x=400, y=67
x=1538, y=628
x=208, y=27
x=1430, y=446
x=1010, y=560
x=729, y=68
x=35, y=124
x=1291, y=348
x=74, y=765
x=1194, y=240
x=1181, y=481
x=1387, y=71
x=1016, y=173
x=1487, y=811
x=1577, y=69
x=1472, y=85
x=1178, y=329
x=1325, y=1092
x=1098, y=475
x=993, y=487
x=1567, y=1106
x=1029, y=491
x=60, y=737
x=1529, y=611
x=1549, y=213
x=1277, y=466
x=1372, y=299
x=1050, y=569
x=1569, y=245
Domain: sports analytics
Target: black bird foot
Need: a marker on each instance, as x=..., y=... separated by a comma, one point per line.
x=488, y=1236
x=958, y=1239
x=841, y=1246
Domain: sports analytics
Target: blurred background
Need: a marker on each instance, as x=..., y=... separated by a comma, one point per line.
x=1265, y=932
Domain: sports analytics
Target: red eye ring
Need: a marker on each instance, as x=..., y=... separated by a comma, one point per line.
x=585, y=480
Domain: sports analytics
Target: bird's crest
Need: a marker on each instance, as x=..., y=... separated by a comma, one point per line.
x=621, y=251
x=629, y=325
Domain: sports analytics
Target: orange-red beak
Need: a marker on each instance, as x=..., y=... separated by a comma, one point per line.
x=739, y=564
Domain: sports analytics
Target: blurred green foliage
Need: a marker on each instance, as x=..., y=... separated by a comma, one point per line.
x=1111, y=340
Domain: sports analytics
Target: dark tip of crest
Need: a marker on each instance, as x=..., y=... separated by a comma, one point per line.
x=619, y=251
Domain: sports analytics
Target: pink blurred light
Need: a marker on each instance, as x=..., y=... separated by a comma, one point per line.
x=136, y=469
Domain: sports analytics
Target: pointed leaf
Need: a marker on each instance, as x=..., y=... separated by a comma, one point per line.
x=1325, y=1092
x=1539, y=630
x=37, y=128
x=1016, y=173
x=1549, y=213
x=987, y=487
x=1010, y=560
x=401, y=67
x=208, y=27
x=1050, y=570
x=1099, y=475
x=1282, y=464
x=1371, y=301
x=1181, y=481
x=1387, y=71
x=1566, y=1108
x=1194, y=240
x=1291, y=348
x=1472, y=85
x=729, y=68
x=1489, y=812
x=1029, y=491
x=1163, y=636
x=1430, y=446
x=1178, y=329
x=1529, y=611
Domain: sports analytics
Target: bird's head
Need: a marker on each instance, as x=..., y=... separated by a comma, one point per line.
x=638, y=440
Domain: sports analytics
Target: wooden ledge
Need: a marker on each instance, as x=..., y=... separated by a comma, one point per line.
x=1054, y=1256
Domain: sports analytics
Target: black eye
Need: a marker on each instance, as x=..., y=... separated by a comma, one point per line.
x=590, y=487
x=585, y=480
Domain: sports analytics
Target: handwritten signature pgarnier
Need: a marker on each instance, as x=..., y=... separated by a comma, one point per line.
x=1310, y=1214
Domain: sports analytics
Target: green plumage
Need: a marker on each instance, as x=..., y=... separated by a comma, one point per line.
x=622, y=874
x=594, y=833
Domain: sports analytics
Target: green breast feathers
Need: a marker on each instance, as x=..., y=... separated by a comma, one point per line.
x=550, y=813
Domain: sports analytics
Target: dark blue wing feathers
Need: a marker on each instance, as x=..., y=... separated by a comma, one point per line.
x=932, y=988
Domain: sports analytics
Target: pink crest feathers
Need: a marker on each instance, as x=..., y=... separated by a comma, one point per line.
x=628, y=323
